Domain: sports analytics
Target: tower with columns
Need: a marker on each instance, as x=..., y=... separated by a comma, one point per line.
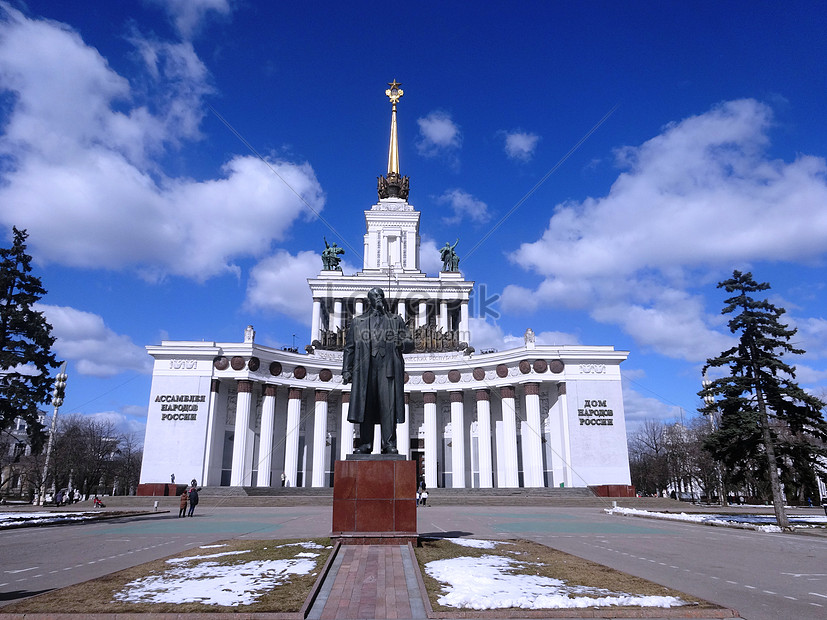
x=243, y=414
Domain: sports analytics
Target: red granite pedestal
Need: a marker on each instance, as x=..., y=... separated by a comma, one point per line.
x=374, y=500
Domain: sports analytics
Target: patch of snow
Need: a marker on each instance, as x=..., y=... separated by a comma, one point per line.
x=763, y=523
x=473, y=542
x=7, y=519
x=210, y=556
x=213, y=546
x=490, y=582
x=211, y=583
x=306, y=545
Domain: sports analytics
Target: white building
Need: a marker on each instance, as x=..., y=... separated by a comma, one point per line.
x=242, y=414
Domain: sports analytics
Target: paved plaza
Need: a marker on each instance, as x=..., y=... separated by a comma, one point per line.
x=761, y=575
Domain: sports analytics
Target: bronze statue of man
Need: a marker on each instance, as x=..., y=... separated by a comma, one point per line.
x=373, y=362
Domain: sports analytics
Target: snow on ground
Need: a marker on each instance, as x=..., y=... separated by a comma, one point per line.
x=490, y=582
x=473, y=542
x=763, y=523
x=206, y=557
x=305, y=545
x=199, y=579
x=8, y=519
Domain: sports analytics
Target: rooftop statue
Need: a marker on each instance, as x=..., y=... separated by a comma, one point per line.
x=450, y=260
x=330, y=256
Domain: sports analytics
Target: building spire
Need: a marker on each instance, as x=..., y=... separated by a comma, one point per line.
x=394, y=185
x=394, y=93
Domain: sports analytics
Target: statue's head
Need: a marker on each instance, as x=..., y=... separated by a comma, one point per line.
x=376, y=298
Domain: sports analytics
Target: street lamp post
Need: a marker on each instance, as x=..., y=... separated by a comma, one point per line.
x=57, y=400
x=709, y=399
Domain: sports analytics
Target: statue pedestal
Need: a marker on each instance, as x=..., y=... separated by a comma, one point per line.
x=374, y=500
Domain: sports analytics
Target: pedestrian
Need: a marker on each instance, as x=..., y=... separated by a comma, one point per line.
x=283, y=478
x=59, y=498
x=182, y=512
x=172, y=478
x=193, y=498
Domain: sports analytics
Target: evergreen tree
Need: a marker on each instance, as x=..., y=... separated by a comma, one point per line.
x=25, y=342
x=768, y=423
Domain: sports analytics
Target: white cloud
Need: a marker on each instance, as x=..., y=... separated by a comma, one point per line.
x=639, y=409
x=806, y=375
x=520, y=145
x=811, y=330
x=81, y=174
x=438, y=134
x=279, y=284
x=131, y=420
x=429, y=260
x=188, y=15
x=693, y=202
x=485, y=335
x=463, y=207
x=94, y=349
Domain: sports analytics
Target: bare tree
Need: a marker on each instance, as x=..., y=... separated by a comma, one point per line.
x=648, y=458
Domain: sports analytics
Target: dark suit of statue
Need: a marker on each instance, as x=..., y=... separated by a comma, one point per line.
x=373, y=361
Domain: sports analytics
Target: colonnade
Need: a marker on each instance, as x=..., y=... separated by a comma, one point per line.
x=507, y=453
x=341, y=310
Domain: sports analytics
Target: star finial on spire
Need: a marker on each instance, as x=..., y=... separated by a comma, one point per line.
x=394, y=92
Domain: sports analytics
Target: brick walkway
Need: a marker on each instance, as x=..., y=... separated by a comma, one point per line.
x=370, y=581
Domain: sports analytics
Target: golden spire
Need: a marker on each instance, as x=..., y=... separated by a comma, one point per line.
x=393, y=93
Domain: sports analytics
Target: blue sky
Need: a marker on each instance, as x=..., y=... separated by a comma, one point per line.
x=700, y=140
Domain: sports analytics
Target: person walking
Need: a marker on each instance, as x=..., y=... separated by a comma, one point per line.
x=182, y=511
x=193, y=498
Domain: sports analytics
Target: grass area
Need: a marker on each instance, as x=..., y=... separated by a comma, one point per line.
x=546, y=562
x=100, y=595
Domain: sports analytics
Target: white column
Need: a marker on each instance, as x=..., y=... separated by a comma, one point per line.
x=291, y=438
x=265, y=450
x=532, y=438
x=403, y=432
x=457, y=441
x=410, y=250
x=431, y=439
x=443, y=315
x=337, y=314
x=360, y=306
x=346, y=443
x=562, y=400
x=315, y=321
x=319, y=438
x=400, y=309
x=512, y=478
x=484, y=439
x=208, y=448
x=422, y=318
x=238, y=476
x=464, y=329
